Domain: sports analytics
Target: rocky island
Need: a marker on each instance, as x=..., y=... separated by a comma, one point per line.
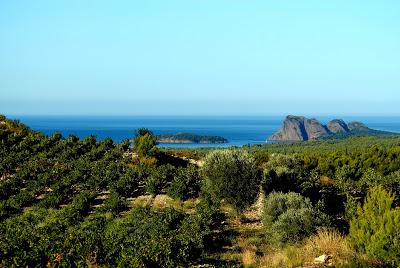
x=300, y=128
x=189, y=138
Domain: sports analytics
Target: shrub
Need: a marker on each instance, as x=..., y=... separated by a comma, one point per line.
x=146, y=238
x=127, y=184
x=115, y=203
x=158, y=179
x=185, y=184
x=290, y=217
x=281, y=173
x=232, y=175
x=83, y=242
x=375, y=228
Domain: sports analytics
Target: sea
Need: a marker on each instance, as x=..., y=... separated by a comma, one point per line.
x=239, y=130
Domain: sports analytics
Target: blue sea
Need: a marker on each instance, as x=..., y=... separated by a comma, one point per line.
x=239, y=130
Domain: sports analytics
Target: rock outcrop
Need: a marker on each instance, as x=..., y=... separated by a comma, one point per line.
x=337, y=126
x=292, y=130
x=314, y=129
x=357, y=126
x=300, y=128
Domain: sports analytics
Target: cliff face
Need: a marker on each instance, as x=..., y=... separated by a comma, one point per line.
x=292, y=130
x=299, y=128
x=337, y=126
x=314, y=129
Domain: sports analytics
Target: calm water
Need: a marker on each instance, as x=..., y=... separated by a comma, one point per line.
x=239, y=130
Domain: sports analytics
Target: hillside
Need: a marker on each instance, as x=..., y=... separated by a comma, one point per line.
x=87, y=203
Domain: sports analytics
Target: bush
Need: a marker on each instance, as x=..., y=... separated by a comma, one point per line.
x=146, y=238
x=158, y=179
x=115, y=203
x=232, y=175
x=186, y=184
x=290, y=217
x=127, y=185
x=281, y=173
x=83, y=242
x=375, y=228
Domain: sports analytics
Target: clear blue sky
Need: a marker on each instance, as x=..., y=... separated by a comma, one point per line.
x=200, y=57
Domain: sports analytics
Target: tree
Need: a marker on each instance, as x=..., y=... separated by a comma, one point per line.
x=375, y=228
x=145, y=142
x=232, y=175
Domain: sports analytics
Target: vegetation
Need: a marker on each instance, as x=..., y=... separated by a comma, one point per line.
x=145, y=143
x=65, y=202
x=232, y=175
x=290, y=217
x=73, y=202
x=189, y=138
x=375, y=228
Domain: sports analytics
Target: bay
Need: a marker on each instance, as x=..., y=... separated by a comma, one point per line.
x=239, y=130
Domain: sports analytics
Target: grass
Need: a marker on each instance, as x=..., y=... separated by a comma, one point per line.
x=329, y=242
x=242, y=241
x=326, y=241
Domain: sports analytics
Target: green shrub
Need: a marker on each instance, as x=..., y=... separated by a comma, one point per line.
x=115, y=203
x=158, y=179
x=375, y=228
x=146, y=238
x=127, y=185
x=18, y=239
x=290, y=217
x=286, y=173
x=232, y=175
x=83, y=242
x=185, y=184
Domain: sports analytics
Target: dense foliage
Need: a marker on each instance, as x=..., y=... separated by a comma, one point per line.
x=66, y=201
x=290, y=217
x=232, y=175
x=190, y=138
x=145, y=142
x=375, y=228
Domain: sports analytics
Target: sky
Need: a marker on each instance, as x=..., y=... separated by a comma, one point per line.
x=208, y=57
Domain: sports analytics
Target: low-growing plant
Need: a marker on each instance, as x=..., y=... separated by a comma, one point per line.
x=158, y=179
x=290, y=217
x=115, y=203
x=186, y=184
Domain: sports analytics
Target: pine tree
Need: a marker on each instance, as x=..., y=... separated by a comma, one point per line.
x=375, y=230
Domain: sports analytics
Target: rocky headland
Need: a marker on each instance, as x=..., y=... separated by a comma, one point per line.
x=300, y=128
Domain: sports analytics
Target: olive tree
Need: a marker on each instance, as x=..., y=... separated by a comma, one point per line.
x=231, y=175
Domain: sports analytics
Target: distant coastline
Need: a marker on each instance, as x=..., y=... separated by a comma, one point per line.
x=239, y=130
x=190, y=138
